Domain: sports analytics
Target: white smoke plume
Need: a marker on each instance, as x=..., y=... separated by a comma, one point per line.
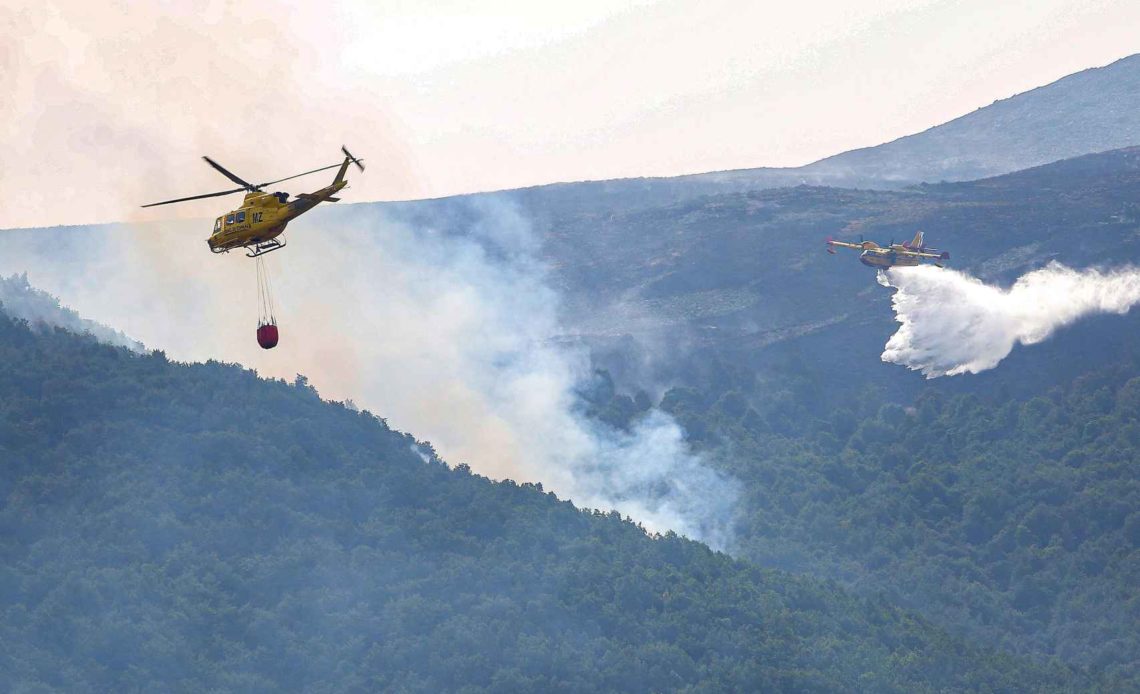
x=952, y=323
x=446, y=328
x=23, y=301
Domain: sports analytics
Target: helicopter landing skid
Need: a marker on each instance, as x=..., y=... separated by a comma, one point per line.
x=263, y=247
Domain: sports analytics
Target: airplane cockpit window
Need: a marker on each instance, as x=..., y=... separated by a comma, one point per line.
x=240, y=217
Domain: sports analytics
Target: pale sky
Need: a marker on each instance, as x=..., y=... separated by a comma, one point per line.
x=109, y=105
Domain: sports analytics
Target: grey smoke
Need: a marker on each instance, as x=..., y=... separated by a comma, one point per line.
x=446, y=326
x=21, y=300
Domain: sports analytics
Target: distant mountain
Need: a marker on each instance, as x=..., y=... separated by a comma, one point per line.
x=171, y=527
x=1090, y=111
x=747, y=270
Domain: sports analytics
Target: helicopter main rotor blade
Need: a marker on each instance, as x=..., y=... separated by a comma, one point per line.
x=196, y=197
x=221, y=169
x=323, y=168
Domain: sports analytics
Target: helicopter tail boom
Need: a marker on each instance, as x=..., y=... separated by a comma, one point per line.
x=318, y=198
x=341, y=171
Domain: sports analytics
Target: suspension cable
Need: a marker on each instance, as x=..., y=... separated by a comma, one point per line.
x=264, y=293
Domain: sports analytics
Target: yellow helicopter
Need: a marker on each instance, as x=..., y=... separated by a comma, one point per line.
x=257, y=224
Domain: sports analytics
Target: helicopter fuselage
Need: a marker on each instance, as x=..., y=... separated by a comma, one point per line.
x=262, y=217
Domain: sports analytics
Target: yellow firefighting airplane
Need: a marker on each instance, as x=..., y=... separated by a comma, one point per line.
x=262, y=216
x=912, y=252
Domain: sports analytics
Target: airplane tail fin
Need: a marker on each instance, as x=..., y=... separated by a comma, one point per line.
x=917, y=241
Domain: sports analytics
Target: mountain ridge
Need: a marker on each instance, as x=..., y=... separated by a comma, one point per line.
x=1086, y=112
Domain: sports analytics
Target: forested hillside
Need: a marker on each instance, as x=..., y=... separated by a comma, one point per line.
x=740, y=272
x=1000, y=507
x=743, y=280
x=22, y=300
x=193, y=527
x=996, y=504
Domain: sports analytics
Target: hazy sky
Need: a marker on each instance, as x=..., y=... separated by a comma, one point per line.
x=108, y=105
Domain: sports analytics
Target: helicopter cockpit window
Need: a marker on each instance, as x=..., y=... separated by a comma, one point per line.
x=240, y=217
x=229, y=219
x=217, y=224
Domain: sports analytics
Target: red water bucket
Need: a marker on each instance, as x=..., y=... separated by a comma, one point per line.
x=267, y=336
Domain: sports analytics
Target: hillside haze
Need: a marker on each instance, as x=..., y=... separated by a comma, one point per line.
x=746, y=273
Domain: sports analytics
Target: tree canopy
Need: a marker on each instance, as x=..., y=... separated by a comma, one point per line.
x=193, y=527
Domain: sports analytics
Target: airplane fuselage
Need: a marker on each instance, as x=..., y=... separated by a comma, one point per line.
x=886, y=257
x=895, y=255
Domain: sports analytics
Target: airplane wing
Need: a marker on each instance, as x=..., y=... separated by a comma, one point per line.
x=929, y=256
x=831, y=243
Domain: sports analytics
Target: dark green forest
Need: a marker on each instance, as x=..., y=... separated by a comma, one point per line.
x=171, y=527
x=1003, y=505
x=1008, y=512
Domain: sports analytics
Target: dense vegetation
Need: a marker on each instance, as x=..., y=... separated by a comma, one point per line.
x=862, y=472
x=1010, y=515
x=169, y=527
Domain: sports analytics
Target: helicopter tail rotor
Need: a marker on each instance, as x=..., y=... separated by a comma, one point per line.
x=354, y=159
